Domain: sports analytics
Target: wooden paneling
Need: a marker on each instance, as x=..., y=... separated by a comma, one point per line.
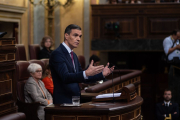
x=117, y=117
x=89, y=118
x=128, y=116
x=6, y=87
x=136, y=20
x=127, y=26
x=158, y=26
x=7, y=74
x=97, y=111
x=64, y=117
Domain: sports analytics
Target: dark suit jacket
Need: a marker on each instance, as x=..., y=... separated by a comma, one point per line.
x=65, y=78
x=161, y=110
x=44, y=53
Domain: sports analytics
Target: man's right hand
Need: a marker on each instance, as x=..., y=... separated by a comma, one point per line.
x=93, y=70
x=178, y=46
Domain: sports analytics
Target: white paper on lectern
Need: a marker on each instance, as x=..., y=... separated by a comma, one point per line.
x=108, y=95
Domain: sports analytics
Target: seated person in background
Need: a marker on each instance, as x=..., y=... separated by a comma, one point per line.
x=35, y=91
x=47, y=79
x=167, y=108
x=96, y=60
x=171, y=45
x=46, y=44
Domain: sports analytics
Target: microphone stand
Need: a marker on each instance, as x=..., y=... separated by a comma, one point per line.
x=118, y=70
x=112, y=84
x=112, y=79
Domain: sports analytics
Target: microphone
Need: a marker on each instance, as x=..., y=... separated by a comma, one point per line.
x=118, y=70
x=112, y=78
x=2, y=34
x=112, y=83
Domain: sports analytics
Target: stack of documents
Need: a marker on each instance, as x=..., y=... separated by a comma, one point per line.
x=108, y=95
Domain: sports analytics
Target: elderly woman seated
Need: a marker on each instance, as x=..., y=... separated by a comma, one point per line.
x=35, y=91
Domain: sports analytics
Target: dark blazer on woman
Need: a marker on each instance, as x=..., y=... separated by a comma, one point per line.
x=65, y=78
x=44, y=53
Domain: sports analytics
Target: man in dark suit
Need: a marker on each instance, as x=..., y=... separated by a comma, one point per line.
x=66, y=70
x=167, y=109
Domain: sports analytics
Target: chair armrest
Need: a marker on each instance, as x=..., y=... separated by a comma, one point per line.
x=30, y=109
x=14, y=116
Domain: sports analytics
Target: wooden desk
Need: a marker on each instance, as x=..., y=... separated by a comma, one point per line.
x=109, y=111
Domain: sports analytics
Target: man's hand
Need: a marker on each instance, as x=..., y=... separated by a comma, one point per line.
x=93, y=70
x=107, y=70
x=177, y=46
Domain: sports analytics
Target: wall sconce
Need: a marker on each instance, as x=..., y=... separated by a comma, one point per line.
x=50, y=5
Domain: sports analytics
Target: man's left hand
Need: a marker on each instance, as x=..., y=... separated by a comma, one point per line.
x=107, y=71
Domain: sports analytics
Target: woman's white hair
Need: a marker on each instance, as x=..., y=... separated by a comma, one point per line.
x=33, y=67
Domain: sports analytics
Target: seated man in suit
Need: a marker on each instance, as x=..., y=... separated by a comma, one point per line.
x=167, y=109
x=66, y=70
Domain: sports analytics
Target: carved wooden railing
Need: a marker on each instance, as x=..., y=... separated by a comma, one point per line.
x=121, y=79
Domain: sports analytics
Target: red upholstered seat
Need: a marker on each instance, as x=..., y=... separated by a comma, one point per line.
x=82, y=61
x=34, y=51
x=14, y=116
x=20, y=52
x=38, y=62
x=30, y=109
x=45, y=61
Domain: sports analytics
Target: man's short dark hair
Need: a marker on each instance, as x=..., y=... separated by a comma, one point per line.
x=167, y=90
x=174, y=32
x=94, y=58
x=70, y=27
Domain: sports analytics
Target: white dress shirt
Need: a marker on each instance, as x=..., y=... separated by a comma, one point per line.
x=167, y=103
x=69, y=51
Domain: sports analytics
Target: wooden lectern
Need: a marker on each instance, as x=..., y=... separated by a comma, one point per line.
x=128, y=93
x=120, y=110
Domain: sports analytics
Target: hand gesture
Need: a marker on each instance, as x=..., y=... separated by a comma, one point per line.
x=93, y=70
x=178, y=46
x=107, y=70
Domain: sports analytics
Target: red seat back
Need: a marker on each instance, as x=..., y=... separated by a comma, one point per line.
x=20, y=52
x=34, y=51
x=21, y=77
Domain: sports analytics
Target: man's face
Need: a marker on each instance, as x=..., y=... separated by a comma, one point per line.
x=167, y=95
x=178, y=35
x=96, y=63
x=73, y=39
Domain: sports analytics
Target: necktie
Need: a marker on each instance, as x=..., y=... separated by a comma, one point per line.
x=72, y=57
x=166, y=105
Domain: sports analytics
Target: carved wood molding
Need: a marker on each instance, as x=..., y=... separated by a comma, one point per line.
x=14, y=9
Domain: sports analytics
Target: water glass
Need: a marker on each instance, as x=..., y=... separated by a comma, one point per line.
x=76, y=100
